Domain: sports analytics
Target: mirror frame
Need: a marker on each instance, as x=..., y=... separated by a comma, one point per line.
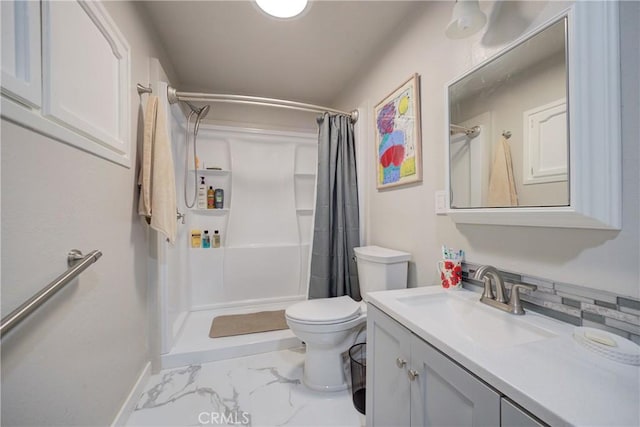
x=595, y=161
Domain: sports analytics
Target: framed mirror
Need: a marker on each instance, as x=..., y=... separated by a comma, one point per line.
x=509, y=142
x=526, y=128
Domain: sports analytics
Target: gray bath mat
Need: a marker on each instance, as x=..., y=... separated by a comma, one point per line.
x=251, y=323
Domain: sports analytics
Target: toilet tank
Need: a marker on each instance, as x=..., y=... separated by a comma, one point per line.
x=381, y=269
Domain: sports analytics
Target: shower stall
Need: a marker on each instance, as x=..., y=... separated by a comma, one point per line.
x=268, y=178
x=266, y=226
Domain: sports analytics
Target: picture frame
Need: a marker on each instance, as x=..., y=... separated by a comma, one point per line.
x=398, y=141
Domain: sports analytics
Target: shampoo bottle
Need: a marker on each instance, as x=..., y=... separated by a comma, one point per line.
x=210, y=198
x=196, y=238
x=202, y=194
x=216, y=239
x=206, y=240
x=219, y=198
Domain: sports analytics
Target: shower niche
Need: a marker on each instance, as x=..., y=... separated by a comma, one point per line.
x=268, y=179
x=216, y=179
x=215, y=166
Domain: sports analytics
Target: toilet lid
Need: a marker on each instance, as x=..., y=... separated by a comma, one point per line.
x=381, y=255
x=324, y=310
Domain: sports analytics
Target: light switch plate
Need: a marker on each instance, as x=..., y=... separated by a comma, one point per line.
x=441, y=202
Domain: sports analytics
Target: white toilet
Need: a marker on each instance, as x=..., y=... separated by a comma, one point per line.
x=329, y=326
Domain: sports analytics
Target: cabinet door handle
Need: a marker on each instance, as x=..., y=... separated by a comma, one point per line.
x=412, y=374
x=400, y=363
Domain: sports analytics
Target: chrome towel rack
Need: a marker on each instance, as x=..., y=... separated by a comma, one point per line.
x=143, y=89
x=77, y=264
x=470, y=132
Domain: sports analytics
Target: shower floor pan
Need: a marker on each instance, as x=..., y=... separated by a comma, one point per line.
x=194, y=346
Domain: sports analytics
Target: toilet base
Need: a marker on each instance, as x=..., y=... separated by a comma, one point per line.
x=323, y=363
x=325, y=388
x=324, y=369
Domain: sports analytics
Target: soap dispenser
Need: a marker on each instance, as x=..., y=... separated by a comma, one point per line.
x=202, y=194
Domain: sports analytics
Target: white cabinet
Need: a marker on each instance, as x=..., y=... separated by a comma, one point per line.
x=21, y=51
x=66, y=74
x=410, y=383
x=388, y=359
x=593, y=162
x=444, y=394
x=85, y=68
x=513, y=416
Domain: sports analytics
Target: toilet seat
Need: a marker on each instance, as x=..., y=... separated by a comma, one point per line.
x=324, y=311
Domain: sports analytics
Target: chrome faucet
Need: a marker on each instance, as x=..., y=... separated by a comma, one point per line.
x=486, y=272
x=514, y=306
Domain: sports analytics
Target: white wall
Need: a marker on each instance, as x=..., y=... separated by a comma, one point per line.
x=404, y=218
x=224, y=114
x=74, y=361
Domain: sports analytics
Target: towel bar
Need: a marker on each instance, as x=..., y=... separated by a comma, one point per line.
x=143, y=89
x=470, y=132
x=33, y=303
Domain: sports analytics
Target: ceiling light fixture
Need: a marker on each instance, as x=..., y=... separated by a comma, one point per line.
x=282, y=8
x=467, y=19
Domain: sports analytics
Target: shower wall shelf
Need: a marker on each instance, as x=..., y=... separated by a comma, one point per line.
x=220, y=249
x=212, y=172
x=217, y=211
x=304, y=175
x=216, y=178
x=303, y=211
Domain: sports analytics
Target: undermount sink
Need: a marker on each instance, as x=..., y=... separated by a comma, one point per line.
x=477, y=322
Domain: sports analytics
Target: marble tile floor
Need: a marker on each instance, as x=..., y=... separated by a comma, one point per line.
x=259, y=390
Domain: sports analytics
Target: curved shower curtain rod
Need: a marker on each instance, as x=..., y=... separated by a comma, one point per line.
x=174, y=96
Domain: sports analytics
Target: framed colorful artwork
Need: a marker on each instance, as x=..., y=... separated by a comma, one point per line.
x=398, y=141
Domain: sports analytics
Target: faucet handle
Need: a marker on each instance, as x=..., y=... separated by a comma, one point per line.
x=488, y=291
x=515, y=305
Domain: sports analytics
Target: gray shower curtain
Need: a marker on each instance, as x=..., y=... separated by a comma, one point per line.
x=336, y=230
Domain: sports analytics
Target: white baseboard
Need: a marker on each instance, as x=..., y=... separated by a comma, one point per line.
x=130, y=403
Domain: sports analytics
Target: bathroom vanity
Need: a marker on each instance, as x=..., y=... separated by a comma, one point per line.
x=439, y=357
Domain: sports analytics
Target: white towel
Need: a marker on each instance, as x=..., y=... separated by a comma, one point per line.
x=157, y=180
x=502, y=185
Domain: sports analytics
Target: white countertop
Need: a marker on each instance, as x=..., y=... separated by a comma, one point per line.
x=556, y=379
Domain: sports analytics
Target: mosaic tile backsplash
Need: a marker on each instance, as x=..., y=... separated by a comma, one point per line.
x=569, y=303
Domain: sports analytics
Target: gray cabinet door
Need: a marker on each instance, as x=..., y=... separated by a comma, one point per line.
x=512, y=416
x=445, y=394
x=388, y=346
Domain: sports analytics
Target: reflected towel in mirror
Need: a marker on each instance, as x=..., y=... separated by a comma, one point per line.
x=502, y=185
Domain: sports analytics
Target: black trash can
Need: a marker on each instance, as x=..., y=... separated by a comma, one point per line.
x=358, y=358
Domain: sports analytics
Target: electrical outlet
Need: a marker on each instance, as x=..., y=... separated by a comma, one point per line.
x=441, y=202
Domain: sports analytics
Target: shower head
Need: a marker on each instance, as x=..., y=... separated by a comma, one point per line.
x=194, y=108
x=201, y=114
